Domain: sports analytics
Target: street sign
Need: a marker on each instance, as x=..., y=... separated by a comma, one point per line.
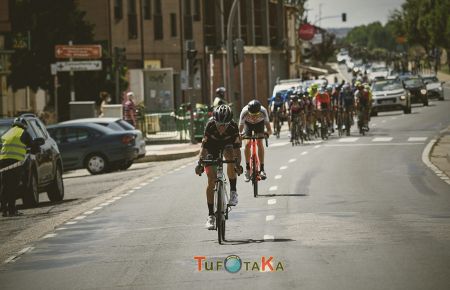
x=78, y=65
x=306, y=31
x=78, y=51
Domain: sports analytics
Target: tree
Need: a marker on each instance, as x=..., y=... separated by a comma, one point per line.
x=48, y=23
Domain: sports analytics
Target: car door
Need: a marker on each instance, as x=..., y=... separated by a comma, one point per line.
x=72, y=142
x=42, y=154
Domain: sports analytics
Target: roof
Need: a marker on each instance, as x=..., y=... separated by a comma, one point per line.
x=82, y=124
x=91, y=120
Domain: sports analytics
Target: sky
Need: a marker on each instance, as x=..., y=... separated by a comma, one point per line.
x=359, y=12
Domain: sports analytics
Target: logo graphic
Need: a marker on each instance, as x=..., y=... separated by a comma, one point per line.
x=233, y=264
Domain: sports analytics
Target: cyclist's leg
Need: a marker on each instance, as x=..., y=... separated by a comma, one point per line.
x=232, y=176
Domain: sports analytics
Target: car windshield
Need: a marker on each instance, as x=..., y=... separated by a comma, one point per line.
x=431, y=80
x=4, y=128
x=413, y=82
x=386, y=86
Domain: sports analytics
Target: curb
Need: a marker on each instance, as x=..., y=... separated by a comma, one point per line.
x=427, y=161
x=167, y=157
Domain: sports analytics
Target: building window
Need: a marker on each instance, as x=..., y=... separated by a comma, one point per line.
x=118, y=14
x=158, y=21
x=132, y=20
x=147, y=9
x=197, y=10
x=188, y=31
x=173, y=24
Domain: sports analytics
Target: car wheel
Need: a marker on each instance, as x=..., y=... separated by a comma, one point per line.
x=96, y=164
x=55, y=191
x=125, y=165
x=31, y=195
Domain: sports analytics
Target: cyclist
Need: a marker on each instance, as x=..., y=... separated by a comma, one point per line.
x=252, y=120
x=277, y=109
x=296, y=110
x=221, y=133
x=323, y=104
x=362, y=104
x=369, y=91
x=220, y=97
x=347, y=102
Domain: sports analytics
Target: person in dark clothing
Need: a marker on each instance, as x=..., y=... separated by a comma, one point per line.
x=12, y=157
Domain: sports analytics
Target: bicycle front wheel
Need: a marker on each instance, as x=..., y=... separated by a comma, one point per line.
x=220, y=218
x=255, y=178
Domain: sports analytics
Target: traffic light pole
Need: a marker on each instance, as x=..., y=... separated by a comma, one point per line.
x=231, y=17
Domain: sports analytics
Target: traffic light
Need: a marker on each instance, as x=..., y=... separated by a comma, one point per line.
x=120, y=55
x=344, y=17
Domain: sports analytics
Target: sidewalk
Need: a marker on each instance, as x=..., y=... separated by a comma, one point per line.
x=169, y=152
x=440, y=154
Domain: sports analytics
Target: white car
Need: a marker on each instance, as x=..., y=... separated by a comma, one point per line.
x=389, y=95
x=378, y=73
x=117, y=124
x=434, y=87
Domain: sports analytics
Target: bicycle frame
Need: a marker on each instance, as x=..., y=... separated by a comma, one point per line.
x=254, y=163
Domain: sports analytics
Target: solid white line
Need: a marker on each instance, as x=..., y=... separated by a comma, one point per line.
x=71, y=223
x=89, y=212
x=304, y=153
x=48, y=236
x=426, y=154
x=278, y=176
x=21, y=252
x=348, y=140
x=270, y=218
x=382, y=139
x=372, y=144
x=272, y=201
x=292, y=160
x=80, y=217
x=269, y=238
x=417, y=139
x=273, y=188
x=283, y=167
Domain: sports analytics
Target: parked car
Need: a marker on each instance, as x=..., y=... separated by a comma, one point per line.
x=388, y=95
x=117, y=124
x=97, y=148
x=417, y=89
x=43, y=164
x=434, y=87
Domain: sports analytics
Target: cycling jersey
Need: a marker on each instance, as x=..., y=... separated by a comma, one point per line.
x=323, y=100
x=296, y=108
x=346, y=99
x=363, y=97
x=213, y=141
x=247, y=117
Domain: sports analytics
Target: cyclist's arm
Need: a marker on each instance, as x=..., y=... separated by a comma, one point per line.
x=266, y=121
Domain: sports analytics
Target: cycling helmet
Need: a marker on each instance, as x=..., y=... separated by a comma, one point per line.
x=220, y=91
x=223, y=114
x=254, y=106
x=329, y=88
x=20, y=122
x=314, y=86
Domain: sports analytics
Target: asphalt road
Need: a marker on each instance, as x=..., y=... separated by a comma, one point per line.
x=350, y=213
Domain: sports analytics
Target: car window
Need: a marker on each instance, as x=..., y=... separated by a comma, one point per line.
x=413, y=82
x=42, y=127
x=125, y=125
x=115, y=126
x=4, y=128
x=70, y=135
x=431, y=80
x=37, y=130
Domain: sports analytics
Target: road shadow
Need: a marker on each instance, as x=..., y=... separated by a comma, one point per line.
x=282, y=194
x=252, y=241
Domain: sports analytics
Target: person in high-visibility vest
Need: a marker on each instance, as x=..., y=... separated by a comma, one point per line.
x=13, y=152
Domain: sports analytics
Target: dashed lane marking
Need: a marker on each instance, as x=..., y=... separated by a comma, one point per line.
x=283, y=167
x=270, y=218
x=71, y=223
x=269, y=238
x=97, y=207
x=279, y=144
x=304, y=153
x=292, y=160
x=49, y=236
x=271, y=201
x=382, y=139
x=348, y=140
x=80, y=217
x=278, y=176
x=417, y=139
x=273, y=188
x=89, y=212
x=317, y=146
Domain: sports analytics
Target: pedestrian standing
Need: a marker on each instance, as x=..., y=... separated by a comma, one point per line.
x=104, y=100
x=12, y=156
x=129, y=108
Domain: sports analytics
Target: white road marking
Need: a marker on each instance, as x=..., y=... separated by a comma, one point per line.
x=279, y=144
x=348, y=140
x=118, y=197
x=143, y=184
x=80, y=217
x=21, y=252
x=48, y=236
x=382, y=139
x=272, y=201
x=417, y=139
x=124, y=194
x=278, y=176
x=445, y=178
x=131, y=191
x=373, y=125
x=71, y=223
x=105, y=204
x=304, y=153
x=184, y=166
x=89, y=212
x=317, y=146
x=283, y=167
x=61, y=229
x=270, y=218
x=137, y=187
x=178, y=169
x=97, y=207
x=273, y=188
x=269, y=238
x=372, y=144
x=292, y=160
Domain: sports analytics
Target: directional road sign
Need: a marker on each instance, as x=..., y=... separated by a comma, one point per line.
x=78, y=51
x=78, y=65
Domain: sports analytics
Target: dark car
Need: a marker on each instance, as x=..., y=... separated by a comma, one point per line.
x=43, y=164
x=417, y=89
x=97, y=148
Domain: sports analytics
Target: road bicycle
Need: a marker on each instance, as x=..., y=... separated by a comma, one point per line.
x=340, y=121
x=221, y=206
x=297, y=134
x=254, y=162
x=277, y=121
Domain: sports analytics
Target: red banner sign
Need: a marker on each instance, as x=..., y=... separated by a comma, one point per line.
x=78, y=51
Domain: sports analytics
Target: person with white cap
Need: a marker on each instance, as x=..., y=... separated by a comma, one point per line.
x=129, y=108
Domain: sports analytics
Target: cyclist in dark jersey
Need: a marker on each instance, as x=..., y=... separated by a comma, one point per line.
x=221, y=134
